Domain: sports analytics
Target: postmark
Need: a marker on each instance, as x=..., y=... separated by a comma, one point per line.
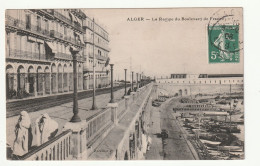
x=224, y=42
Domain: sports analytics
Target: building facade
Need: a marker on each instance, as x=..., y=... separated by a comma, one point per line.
x=98, y=46
x=38, y=51
x=203, y=79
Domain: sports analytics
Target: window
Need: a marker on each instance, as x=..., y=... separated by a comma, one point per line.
x=28, y=21
x=38, y=23
x=65, y=30
x=46, y=25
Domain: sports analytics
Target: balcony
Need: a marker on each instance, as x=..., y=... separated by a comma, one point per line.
x=56, y=34
x=45, y=12
x=87, y=39
x=68, y=21
x=102, y=46
x=30, y=28
x=65, y=38
x=99, y=57
x=64, y=56
x=25, y=55
x=79, y=13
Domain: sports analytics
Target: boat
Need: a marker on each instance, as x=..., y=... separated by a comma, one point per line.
x=214, y=152
x=210, y=143
x=230, y=148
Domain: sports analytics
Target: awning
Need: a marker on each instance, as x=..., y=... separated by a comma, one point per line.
x=73, y=17
x=53, y=49
x=31, y=38
x=77, y=20
x=81, y=39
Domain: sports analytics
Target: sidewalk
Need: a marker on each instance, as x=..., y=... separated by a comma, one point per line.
x=63, y=113
x=156, y=149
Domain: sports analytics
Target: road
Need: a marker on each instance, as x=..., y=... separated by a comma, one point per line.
x=42, y=102
x=176, y=146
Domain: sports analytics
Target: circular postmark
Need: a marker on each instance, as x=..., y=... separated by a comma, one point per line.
x=224, y=36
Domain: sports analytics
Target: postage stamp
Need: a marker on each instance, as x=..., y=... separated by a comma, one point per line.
x=223, y=44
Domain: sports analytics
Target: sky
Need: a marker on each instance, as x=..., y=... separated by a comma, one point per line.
x=159, y=48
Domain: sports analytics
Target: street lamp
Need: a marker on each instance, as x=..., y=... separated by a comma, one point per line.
x=125, y=82
x=132, y=85
x=136, y=81
x=94, y=107
x=75, y=117
x=112, y=94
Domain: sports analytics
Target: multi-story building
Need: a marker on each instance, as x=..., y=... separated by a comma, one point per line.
x=101, y=50
x=38, y=51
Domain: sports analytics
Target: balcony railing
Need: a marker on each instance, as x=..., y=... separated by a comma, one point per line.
x=87, y=39
x=19, y=24
x=65, y=56
x=98, y=57
x=25, y=55
x=61, y=36
x=68, y=21
x=102, y=46
x=78, y=12
x=58, y=148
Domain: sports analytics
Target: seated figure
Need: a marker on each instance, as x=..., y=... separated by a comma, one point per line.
x=23, y=135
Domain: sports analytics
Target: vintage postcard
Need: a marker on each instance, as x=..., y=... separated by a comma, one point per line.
x=124, y=84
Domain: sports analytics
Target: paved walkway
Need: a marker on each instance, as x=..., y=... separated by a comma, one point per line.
x=63, y=113
x=156, y=151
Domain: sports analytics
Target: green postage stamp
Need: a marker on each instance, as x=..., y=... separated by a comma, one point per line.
x=223, y=44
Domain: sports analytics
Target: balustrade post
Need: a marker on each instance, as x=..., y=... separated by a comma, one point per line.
x=78, y=142
x=133, y=94
x=126, y=102
x=114, y=112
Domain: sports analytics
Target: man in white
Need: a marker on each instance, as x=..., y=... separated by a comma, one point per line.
x=45, y=129
x=23, y=135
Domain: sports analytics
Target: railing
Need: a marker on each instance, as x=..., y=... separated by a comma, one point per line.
x=97, y=123
x=25, y=55
x=63, y=56
x=78, y=12
x=57, y=148
x=62, y=147
x=102, y=46
x=121, y=108
x=68, y=21
x=63, y=37
x=10, y=21
x=87, y=39
x=98, y=57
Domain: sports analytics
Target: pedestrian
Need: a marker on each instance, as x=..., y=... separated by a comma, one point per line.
x=45, y=129
x=23, y=135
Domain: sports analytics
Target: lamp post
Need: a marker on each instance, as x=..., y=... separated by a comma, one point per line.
x=94, y=107
x=132, y=83
x=125, y=82
x=112, y=94
x=136, y=81
x=75, y=117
